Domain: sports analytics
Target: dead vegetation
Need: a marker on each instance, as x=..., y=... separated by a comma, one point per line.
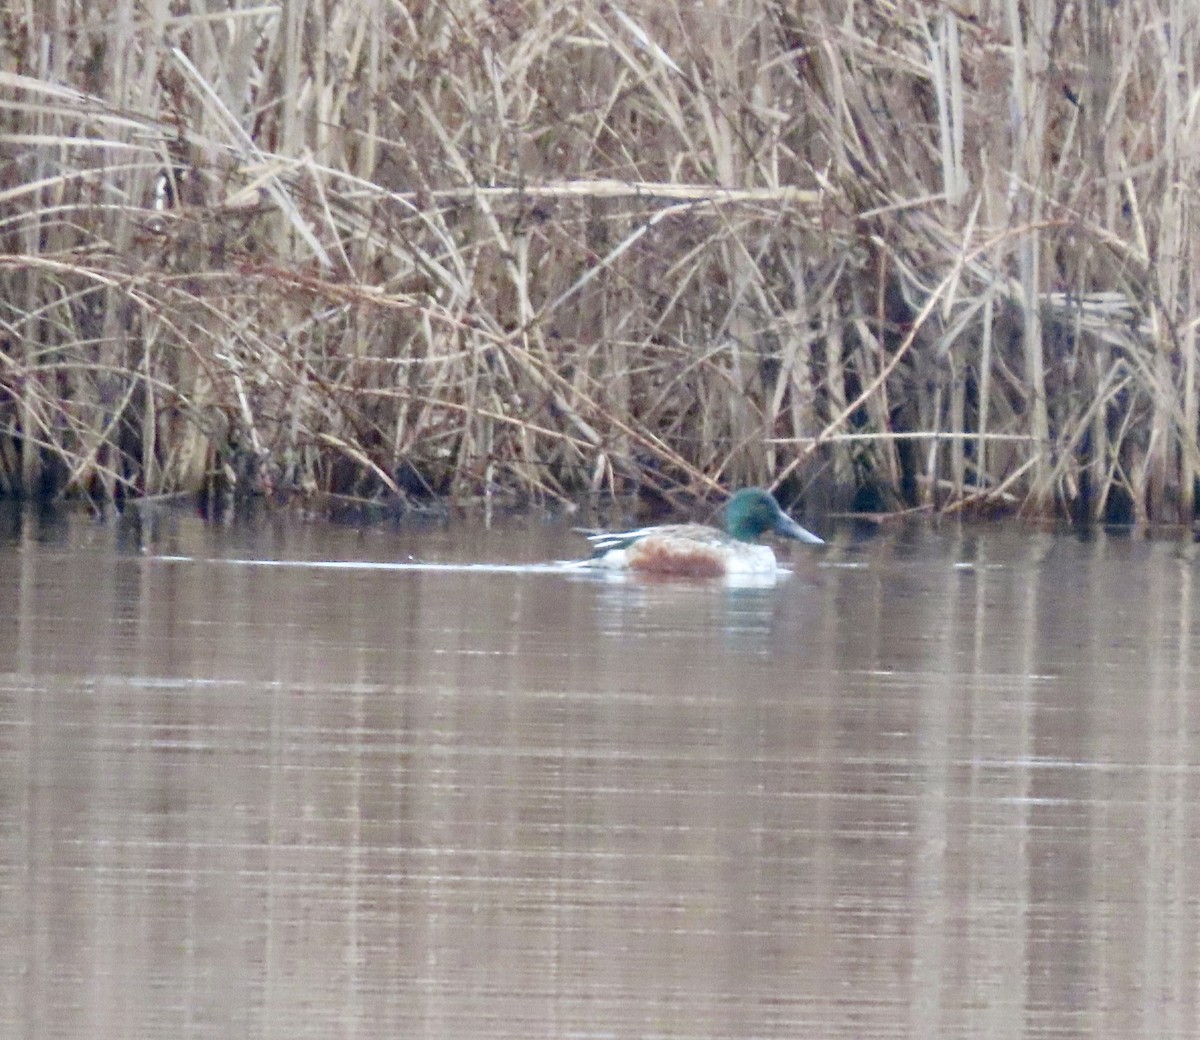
x=907, y=254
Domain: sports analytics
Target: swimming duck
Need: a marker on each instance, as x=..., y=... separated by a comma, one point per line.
x=695, y=550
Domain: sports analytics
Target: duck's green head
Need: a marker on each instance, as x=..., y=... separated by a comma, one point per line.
x=752, y=512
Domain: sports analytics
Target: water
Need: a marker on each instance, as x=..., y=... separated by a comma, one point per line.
x=939, y=783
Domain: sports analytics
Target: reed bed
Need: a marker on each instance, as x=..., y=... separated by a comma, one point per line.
x=889, y=255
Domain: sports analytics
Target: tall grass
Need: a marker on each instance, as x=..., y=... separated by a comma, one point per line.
x=896, y=255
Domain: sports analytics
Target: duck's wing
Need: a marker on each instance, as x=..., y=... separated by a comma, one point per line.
x=606, y=541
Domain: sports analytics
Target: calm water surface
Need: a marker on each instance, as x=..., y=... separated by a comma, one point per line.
x=941, y=783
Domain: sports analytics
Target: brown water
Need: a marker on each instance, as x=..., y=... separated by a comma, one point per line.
x=943, y=783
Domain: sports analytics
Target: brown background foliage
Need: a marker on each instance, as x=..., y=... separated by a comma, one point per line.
x=898, y=254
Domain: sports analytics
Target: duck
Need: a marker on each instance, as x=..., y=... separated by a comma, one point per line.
x=700, y=551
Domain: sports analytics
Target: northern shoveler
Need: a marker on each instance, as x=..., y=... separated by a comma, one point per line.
x=695, y=550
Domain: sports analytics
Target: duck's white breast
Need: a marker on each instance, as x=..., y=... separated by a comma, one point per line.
x=751, y=559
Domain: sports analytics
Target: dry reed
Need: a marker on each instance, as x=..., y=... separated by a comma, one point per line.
x=897, y=255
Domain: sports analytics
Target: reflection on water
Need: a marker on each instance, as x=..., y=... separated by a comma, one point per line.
x=941, y=784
